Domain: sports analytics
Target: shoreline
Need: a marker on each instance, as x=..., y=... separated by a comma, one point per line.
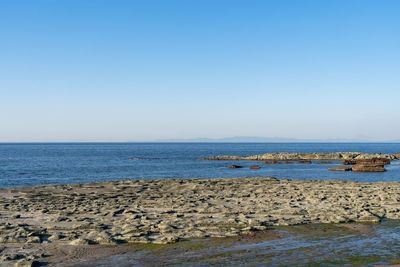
x=164, y=211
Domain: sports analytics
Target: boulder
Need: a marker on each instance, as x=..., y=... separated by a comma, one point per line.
x=341, y=169
x=397, y=155
x=235, y=166
x=368, y=168
x=255, y=167
x=325, y=162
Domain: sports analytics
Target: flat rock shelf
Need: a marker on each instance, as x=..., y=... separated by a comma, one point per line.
x=170, y=210
x=308, y=156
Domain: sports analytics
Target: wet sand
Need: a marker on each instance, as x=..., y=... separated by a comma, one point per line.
x=81, y=218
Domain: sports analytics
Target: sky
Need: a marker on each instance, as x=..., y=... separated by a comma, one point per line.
x=80, y=70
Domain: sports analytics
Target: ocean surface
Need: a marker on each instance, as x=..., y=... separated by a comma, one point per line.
x=48, y=163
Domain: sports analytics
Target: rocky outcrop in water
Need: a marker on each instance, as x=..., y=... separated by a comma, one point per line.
x=235, y=167
x=368, y=168
x=341, y=168
x=373, y=161
x=255, y=167
x=307, y=156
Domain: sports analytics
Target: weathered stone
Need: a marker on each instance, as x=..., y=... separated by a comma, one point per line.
x=33, y=240
x=55, y=237
x=79, y=241
x=27, y=263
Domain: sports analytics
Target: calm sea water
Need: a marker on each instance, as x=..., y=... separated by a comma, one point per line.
x=35, y=164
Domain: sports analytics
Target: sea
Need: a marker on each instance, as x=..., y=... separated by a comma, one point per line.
x=28, y=164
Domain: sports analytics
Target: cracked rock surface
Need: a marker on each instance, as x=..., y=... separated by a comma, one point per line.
x=169, y=210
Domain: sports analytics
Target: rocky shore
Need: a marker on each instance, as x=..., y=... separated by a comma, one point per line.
x=286, y=156
x=170, y=210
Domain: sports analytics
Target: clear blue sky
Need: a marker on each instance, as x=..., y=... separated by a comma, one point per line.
x=144, y=70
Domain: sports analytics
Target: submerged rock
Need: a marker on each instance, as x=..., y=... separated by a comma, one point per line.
x=341, y=168
x=235, y=166
x=255, y=167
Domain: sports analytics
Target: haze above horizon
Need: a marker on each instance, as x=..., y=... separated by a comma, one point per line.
x=160, y=70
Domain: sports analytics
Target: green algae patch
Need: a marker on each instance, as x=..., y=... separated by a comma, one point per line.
x=315, y=231
x=350, y=261
x=148, y=246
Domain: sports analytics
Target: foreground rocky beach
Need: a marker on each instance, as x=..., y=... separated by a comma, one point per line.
x=172, y=210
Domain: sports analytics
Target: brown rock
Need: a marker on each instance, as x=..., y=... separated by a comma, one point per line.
x=378, y=161
x=235, y=166
x=271, y=162
x=349, y=162
x=255, y=167
x=367, y=168
x=397, y=155
x=341, y=168
x=304, y=161
x=373, y=161
x=325, y=162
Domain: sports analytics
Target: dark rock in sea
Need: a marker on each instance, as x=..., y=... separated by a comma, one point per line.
x=373, y=161
x=325, y=162
x=368, y=168
x=304, y=161
x=255, y=167
x=272, y=162
x=341, y=169
x=235, y=166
